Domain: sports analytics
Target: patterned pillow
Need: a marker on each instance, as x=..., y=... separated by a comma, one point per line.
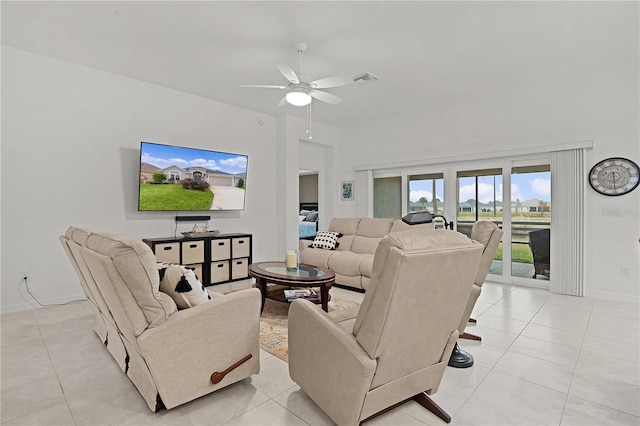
x=182, y=285
x=326, y=240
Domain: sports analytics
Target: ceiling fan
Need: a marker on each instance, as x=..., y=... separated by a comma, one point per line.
x=301, y=89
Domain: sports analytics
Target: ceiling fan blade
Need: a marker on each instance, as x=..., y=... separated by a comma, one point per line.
x=288, y=73
x=338, y=81
x=325, y=97
x=283, y=101
x=263, y=86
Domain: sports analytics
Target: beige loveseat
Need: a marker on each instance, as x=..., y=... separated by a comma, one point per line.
x=352, y=260
x=169, y=355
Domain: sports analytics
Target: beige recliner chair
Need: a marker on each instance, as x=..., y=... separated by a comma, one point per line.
x=171, y=356
x=395, y=347
x=489, y=235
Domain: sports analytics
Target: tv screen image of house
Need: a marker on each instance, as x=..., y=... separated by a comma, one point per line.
x=177, y=178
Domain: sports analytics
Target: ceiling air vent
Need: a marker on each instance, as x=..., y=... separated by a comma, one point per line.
x=365, y=78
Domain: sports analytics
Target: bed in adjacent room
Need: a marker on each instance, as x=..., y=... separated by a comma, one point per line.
x=308, y=220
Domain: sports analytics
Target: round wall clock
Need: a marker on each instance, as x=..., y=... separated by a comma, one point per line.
x=614, y=176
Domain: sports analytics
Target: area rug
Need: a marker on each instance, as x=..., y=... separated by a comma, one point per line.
x=273, y=325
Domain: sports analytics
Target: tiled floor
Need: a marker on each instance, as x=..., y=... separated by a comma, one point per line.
x=544, y=359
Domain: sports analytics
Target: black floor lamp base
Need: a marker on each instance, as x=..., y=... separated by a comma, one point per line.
x=460, y=358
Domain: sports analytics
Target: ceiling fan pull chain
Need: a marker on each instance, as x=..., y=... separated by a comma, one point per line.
x=309, y=122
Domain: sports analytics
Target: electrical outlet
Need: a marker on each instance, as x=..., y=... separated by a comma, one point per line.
x=624, y=271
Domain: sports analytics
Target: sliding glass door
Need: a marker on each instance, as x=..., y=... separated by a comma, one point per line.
x=521, y=209
x=531, y=222
x=387, y=197
x=479, y=198
x=514, y=193
x=426, y=192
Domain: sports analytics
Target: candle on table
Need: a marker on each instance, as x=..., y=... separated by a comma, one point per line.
x=291, y=260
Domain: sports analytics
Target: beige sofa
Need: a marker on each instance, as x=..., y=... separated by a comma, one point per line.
x=170, y=355
x=352, y=261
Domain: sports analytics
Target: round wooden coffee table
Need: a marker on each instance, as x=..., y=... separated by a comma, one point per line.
x=305, y=276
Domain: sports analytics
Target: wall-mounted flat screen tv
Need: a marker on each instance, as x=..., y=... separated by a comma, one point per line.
x=177, y=178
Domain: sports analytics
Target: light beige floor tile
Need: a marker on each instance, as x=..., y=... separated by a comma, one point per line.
x=224, y=404
x=508, y=311
x=400, y=417
x=501, y=323
x=582, y=305
x=108, y=405
x=57, y=415
x=29, y=370
x=23, y=351
x=532, y=401
x=626, y=310
x=567, y=310
x=296, y=401
x=492, y=293
x=68, y=325
x=614, y=327
x=530, y=293
x=419, y=413
x=492, y=336
x=161, y=418
x=561, y=320
x=457, y=385
x=552, y=375
x=552, y=352
x=273, y=378
x=264, y=355
x=86, y=369
x=269, y=413
x=59, y=313
x=17, y=321
x=22, y=400
x=579, y=412
x=70, y=340
x=553, y=335
x=17, y=316
x=591, y=364
x=484, y=355
x=480, y=412
x=479, y=308
x=607, y=381
x=22, y=332
x=528, y=305
x=616, y=348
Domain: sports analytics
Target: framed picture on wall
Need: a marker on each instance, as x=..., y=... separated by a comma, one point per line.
x=347, y=189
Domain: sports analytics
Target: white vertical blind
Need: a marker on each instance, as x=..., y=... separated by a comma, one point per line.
x=567, y=216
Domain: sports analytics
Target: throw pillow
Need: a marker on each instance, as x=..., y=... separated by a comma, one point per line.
x=312, y=217
x=182, y=285
x=326, y=240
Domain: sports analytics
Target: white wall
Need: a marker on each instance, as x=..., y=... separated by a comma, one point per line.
x=292, y=141
x=70, y=153
x=599, y=105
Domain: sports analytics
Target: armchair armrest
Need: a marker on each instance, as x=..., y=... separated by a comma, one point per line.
x=326, y=361
x=184, y=351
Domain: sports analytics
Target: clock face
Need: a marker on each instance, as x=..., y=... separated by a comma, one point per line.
x=614, y=176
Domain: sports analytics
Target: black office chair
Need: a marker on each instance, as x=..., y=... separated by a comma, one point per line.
x=539, y=242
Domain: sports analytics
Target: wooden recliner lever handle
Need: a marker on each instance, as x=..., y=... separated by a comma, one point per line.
x=219, y=375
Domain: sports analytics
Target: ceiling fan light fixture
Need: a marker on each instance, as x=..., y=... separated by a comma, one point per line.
x=298, y=97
